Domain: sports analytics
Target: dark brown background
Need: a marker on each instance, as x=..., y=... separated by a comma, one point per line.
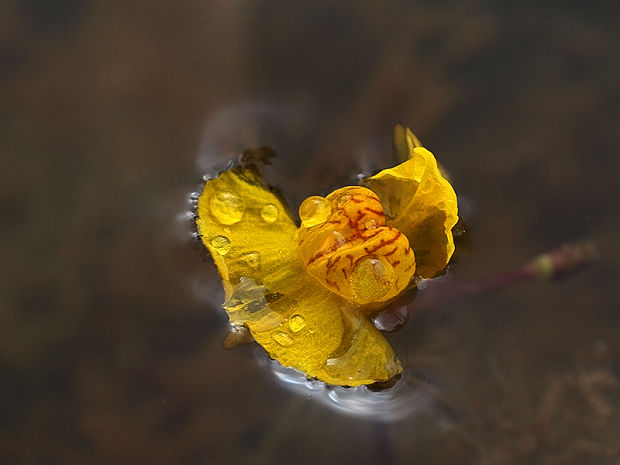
x=110, y=331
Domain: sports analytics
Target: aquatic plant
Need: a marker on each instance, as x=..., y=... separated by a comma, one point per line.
x=306, y=292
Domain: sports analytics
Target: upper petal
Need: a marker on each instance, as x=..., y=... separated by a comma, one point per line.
x=422, y=204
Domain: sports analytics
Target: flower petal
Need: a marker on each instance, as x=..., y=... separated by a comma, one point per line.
x=252, y=239
x=345, y=244
x=421, y=203
x=403, y=139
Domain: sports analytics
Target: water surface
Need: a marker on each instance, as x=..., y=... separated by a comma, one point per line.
x=110, y=330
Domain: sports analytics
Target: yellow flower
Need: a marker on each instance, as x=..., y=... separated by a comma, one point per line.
x=305, y=293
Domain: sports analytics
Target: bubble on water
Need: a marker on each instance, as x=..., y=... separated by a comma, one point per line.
x=269, y=213
x=188, y=216
x=227, y=207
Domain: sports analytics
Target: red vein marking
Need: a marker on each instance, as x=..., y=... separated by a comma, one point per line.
x=383, y=243
x=332, y=283
x=391, y=251
x=331, y=263
x=321, y=254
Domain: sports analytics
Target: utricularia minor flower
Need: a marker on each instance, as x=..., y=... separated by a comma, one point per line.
x=306, y=292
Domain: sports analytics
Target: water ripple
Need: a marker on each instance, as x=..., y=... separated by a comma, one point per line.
x=402, y=400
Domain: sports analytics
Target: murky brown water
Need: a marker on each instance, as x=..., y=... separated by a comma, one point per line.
x=110, y=331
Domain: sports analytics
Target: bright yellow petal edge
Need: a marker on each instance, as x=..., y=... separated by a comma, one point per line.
x=296, y=319
x=419, y=202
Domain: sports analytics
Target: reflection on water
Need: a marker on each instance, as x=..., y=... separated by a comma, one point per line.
x=234, y=128
x=391, y=404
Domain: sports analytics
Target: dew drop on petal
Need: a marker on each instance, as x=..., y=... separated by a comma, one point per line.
x=343, y=198
x=371, y=279
x=296, y=323
x=339, y=239
x=370, y=223
x=269, y=213
x=251, y=259
x=221, y=244
x=227, y=207
x=314, y=210
x=282, y=338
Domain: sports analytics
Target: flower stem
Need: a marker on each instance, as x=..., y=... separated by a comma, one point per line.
x=552, y=266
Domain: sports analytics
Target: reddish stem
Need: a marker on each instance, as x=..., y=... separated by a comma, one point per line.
x=557, y=264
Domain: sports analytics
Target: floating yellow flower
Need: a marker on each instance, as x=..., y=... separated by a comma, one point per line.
x=305, y=293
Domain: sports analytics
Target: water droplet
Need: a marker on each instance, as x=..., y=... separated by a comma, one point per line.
x=221, y=244
x=371, y=279
x=339, y=239
x=296, y=323
x=282, y=338
x=269, y=213
x=343, y=198
x=227, y=207
x=251, y=259
x=314, y=210
x=370, y=223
